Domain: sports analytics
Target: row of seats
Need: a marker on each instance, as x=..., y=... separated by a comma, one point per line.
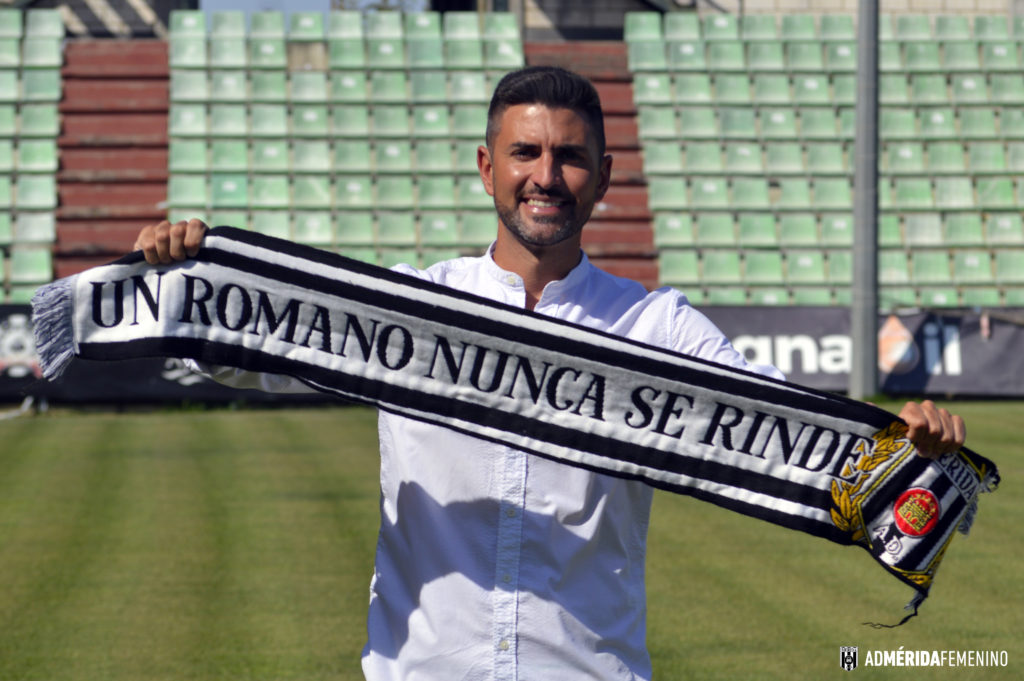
x=31, y=56
x=962, y=89
x=889, y=297
x=310, y=26
x=323, y=191
x=643, y=26
x=814, y=56
x=428, y=156
x=821, y=122
x=835, y=229
x=743, y=192
x=671, y=157
x=337, y=87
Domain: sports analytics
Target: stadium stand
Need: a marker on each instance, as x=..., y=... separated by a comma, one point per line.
x=746, y=128
x=31, y=56
x=360, y=153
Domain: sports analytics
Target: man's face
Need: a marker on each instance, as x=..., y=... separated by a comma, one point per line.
x=544, y=172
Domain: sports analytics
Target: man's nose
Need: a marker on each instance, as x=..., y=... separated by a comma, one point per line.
x=546, y=173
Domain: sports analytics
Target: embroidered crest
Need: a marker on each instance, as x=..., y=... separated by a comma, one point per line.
x=916, y=512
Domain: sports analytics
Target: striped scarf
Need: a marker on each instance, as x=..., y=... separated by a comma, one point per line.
x=803, y=459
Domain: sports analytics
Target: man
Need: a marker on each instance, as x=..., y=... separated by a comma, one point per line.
x=491, y=563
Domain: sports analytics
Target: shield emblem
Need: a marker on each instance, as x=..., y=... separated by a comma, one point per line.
x=848, y=657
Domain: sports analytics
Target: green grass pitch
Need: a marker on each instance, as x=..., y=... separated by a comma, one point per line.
x=239, y=545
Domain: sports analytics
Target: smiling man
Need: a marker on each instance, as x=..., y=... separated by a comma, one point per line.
x=492, y=563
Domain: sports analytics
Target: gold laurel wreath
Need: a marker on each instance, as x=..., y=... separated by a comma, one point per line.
x=846, y=494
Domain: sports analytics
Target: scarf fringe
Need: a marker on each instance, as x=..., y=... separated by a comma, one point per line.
x=52, y=321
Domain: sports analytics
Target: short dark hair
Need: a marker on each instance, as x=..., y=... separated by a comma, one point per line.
x=553, y=87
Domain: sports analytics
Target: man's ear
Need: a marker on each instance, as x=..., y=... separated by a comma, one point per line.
x=605, y=176
x=484, y=165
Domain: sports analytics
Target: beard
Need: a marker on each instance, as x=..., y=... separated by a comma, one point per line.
x=544, y=230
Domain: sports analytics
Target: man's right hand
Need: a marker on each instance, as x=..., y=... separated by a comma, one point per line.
x=165, y=243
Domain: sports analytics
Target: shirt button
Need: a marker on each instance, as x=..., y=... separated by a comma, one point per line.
x=507, y=579
x=503, y=645
x=511, y=513
x=511, y=280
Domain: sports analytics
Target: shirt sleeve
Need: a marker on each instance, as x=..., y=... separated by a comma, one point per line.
x=249, y=380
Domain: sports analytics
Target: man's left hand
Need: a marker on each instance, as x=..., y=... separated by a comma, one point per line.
x=932, y=429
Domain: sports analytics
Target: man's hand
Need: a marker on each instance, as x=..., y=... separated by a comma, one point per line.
x=933, y=430
x=165, y=243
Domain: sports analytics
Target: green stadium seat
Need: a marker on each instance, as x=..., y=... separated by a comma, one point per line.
x=385, y=53
x=921, y=56
x=758, y=27
x=811, y=89
x=35, y=192
x=1000, y=56
x=187, y=120
x=355, y=228
x=344, y=24
x=181, y=23
x=695, y=123
x=718, y=295
x=944, y=296
x=832, y=193
x=311, y=156
x=761, y=267
x=679, y=266
x=661, y=123
x=732, y=88
x=837, y=27
x=225, y=155
x=430, y=120
x=996, y=193
x=972, y=266
x=777, y=123
x=963, y=229
x=817, y=123
x=893, y=89
x=889, y=233
x=702, y=158
x=719, y=27
x=757, y=229
x=946, y=157
x=308, y=86
x=228, y=120
x=477, y=228
x=501, y=25
x=961, y=56
x=1007, y=88
x=743, y=157
x=981, y=296
x=390, y=121
x=799, y=27
x=470, y=193
x=313, y=228
x=642, y=26
x=33, y=228
x=991, y=27
x=715, y=229
x=183, y=52
x=1011, y=123
x=272, y=223
x=37, y=156
x=470, y=120
x=913, y=27
x=464, y=54
x=350, y=86
x=938, y=123
x=6, y=156
x=986, y=157
x=28, y=265
x=662, y=158
x=923, y=229
x=396, y=229
x=436, y=192
x=954, y=192
x=725, y=55
x=228, y=53
x=805, y=56
x=1013, y=296
x=270, y=191
x=928, y=88
x=952, y=27
x=681, y=26
x=428, y=86
x=737, y=122
x=840, y=56
x=267, y=53
x=930, y=267
x=837, y=229
x=266, y=24
x=765, y=55
x=794, y=194
x=228, y=86
x=751, y=193
x=1004, y=229
x=805, y=267
x=8, y=126
x=187, y=191
x=270, y=156
x=656, y=88
x=889, y=57
x=468, y=86
x=388, y=86
x=229, y=190
x=439, y=229
x=231, y=218
x=685, y=55
x=771, y=88
x=6, y=192
x=43, y=23
x=383, y=25
x=784, y=158
x=346, y=53
x=306, y=26
x=465, y=155
x=269, y=86
x=312, y=191
x=904, y=157
x=352, y=156
x=969, y=88
x=1009, y=265
x=37, y=120
x=721, y=267
x=798, y=229
x=673, y=229
x=666, y=193
x=912, y=193
x=503, y=54
x=228, y=24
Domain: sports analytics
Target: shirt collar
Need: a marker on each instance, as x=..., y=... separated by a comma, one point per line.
x=559, y=287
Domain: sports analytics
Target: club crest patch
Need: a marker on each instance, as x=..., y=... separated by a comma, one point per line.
x=916, y=511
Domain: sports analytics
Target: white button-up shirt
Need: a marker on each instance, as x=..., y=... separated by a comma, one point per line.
x=495, y=564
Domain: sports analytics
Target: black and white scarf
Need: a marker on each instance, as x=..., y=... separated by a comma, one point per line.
x=803, y=459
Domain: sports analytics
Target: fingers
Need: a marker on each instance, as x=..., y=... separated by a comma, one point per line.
x=165, y=243
x=933, y=430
